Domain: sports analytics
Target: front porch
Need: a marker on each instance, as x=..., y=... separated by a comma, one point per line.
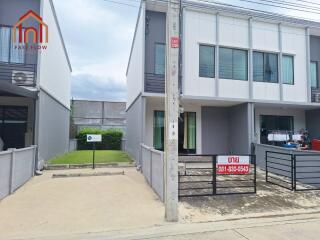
x=205, y=127
x=229, y=127
x=17, y=121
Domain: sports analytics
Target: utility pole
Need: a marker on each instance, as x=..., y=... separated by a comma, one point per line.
x=172, y=111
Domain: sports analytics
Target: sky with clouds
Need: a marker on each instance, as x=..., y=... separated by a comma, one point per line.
x=98, y=36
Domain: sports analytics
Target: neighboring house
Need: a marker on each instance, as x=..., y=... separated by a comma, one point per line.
x=243, y=74
x=34, y=84
x=98, y=114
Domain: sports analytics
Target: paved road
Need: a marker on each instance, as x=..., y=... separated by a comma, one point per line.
x=293, y=227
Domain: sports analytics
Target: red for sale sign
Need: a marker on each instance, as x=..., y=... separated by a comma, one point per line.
x=236, y=165
x=175, y=42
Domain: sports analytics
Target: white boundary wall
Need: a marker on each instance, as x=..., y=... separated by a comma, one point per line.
x=152, y=166
x=16, y=168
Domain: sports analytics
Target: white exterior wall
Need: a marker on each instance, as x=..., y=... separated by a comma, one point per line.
x=153, y=105
x=135, y=71
x=294, y=43
x=298, y=116
x=200, y=28
x=54, y=73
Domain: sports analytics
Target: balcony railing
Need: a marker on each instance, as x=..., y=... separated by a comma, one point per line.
x=154, y=83
x=315, y=95
x=18, y=74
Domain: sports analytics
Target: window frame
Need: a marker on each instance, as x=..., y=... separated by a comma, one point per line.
x=214, y=59
x=155, y=58
x=11, y=47
x=265, y=52
x=317, y=74
x=293, y=75
x=247, y=63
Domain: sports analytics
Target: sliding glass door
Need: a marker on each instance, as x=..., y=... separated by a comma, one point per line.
x=187, y=132
x=158, y=130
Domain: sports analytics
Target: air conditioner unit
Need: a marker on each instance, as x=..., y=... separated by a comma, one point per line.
x=23, y=78
x=317, y=97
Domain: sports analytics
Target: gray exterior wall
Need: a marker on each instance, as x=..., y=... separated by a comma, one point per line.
x=239, y=139
x=313, y=123
x=215, y=130
x=225, y=130
x=315, y=52
x=155, y=33
x=52, y=127
x=99, y=114
x=134, y=128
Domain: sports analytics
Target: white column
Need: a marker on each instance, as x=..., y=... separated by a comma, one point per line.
x=280, y=61
x=308, y=65
x=250, y=60
x=217, y=55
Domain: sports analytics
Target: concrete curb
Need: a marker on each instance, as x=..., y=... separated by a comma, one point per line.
x=80, y=166
x=98, y=174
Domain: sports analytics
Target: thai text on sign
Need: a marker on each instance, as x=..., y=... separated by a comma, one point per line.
x=235, y=165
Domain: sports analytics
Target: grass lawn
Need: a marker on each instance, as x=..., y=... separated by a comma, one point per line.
x=85, y=156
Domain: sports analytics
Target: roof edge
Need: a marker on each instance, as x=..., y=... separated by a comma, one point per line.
x=134, y=35
x=60, y=33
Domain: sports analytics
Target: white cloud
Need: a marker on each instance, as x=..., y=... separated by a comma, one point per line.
x=98, y=37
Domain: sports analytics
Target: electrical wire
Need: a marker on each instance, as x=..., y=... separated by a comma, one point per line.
x=271, y=16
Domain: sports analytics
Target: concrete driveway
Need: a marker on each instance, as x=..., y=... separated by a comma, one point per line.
x=270, y=200
x=47, y=206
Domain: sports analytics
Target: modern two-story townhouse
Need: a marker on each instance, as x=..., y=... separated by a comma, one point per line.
x=34, y=78
x=243, y=74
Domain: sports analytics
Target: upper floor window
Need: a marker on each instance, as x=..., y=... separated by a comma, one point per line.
x=265, y=67
x=233, y=64
x=206, y=61
x=287, y=69
x=314, y=74
x=8, y=52
x=160, y=58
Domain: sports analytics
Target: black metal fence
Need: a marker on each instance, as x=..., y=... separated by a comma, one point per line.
x=295, y=172
x=280, y=169
x=154, y=83
x=198, y=176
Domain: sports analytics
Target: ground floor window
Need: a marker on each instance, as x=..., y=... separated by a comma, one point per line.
x=13, y=126
x=187, y=131
x=269, y=123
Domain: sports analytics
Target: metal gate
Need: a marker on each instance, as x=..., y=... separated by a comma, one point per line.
x=295, y=172
x=198, y=176
x=280, y=169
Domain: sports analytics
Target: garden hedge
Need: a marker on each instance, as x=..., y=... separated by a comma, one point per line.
x=111, y=139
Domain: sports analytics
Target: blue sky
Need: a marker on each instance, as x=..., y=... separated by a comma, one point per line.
x=98, y=36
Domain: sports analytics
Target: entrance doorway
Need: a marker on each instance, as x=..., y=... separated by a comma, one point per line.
x=13, y=126
x=270, y=123
x=187, y=132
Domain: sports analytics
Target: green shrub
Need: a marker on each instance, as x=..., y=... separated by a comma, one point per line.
x=111, y=139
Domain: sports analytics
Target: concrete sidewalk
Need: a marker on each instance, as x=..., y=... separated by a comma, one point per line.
x=291, y=227
x=48, y=206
